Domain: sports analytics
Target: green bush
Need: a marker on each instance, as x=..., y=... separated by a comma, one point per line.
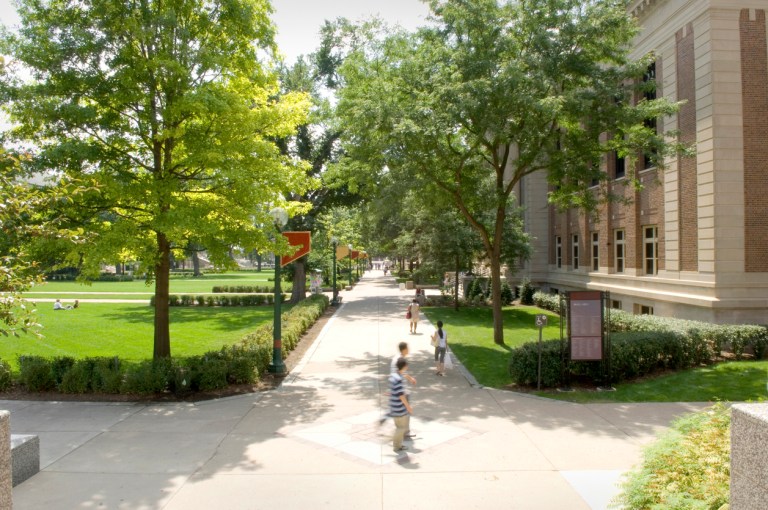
x=547, y=301
x=687, y=467
x=78, y=378
x=524, y=364
x=60, y=366
x=36, y=374
x=506, y=294
x=6, y=377
x=107, y=375
x=526, y=292
x=213, y=374
x=221, y=300
x=147, y=377
x=475, y=290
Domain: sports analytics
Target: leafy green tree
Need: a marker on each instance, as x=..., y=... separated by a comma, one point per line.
x=167, y=112
x=315, y=142
x=497, y=90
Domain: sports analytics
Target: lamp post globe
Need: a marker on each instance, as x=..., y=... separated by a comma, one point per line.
x=277, y=367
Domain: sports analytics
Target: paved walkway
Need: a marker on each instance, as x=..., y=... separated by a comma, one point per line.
x=316, y=443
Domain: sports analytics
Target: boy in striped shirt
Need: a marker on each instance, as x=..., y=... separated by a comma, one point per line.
x=399, y=408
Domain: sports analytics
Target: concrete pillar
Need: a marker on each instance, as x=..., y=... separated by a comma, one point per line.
x=6, y=473
x=749, y=456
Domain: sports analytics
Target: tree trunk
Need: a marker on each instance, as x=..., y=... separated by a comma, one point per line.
x=498, y=321
x=162, y=341
x=258, y=262
x=196, y=263
x=456, y=284
x=299, y=291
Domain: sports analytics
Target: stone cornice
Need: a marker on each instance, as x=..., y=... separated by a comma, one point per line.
x=638, y=8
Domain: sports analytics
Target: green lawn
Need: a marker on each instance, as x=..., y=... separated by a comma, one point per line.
x=126, y=330
x=470, y=335
x=734, y=381
x=202, y=284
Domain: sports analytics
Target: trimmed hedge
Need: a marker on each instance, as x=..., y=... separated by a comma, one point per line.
x=242, y=363
x=220, y=300
x=246, y=289
x=641, y=345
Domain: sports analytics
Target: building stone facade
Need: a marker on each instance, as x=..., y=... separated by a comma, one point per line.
x=693, y=243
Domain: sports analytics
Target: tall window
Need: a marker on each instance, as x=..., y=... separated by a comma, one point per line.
x=620, y=167
x=575, y=251
x=595, y=251
x=651, y=250
x=649, y=94
x=559, y=251
x=618, y=254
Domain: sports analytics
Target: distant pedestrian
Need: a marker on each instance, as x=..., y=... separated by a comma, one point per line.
x=57, y=305
x=399, y=407
x=441, y=346
x=413, y=312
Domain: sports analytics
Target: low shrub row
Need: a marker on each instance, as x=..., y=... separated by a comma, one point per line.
x=242, y=363
x=247, y=289
x=219, y=300
x=547, y=301
x=642, y=345
x=294, y=323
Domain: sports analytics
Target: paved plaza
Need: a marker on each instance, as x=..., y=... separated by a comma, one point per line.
x=316, y=441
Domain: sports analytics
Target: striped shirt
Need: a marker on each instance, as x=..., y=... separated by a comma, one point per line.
x=396, y=389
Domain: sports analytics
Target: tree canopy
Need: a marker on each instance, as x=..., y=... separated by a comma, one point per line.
x=167, y=112
x=493, y=91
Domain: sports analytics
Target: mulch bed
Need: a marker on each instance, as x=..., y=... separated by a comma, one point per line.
x=268, y=382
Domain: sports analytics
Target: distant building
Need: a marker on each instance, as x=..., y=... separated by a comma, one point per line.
x=694, y=242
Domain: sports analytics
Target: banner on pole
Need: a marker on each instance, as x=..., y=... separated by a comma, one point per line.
x=299, y=240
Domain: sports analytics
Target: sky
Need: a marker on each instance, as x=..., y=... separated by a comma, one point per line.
x=299, y=21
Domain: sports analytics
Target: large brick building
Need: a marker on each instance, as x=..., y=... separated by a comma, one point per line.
x=694, y=242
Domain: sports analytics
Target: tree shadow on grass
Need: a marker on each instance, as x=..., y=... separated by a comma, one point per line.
x=222, y=318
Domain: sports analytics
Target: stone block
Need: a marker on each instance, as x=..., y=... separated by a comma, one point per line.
x=749, y=456
x=25, y=457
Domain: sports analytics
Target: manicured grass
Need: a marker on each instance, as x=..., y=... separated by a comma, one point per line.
x=733, y=381
x=126, y=330
x=470, y=336
x=189, y=285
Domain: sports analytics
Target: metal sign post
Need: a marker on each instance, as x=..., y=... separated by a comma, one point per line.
x=541, y=321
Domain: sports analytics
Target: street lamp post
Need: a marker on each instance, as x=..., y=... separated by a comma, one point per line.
x=335, y=301
x=350, y=264
x=277, y=367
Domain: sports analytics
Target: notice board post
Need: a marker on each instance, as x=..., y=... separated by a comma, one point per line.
x=587, y=331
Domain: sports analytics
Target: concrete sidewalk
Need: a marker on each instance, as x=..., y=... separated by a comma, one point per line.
x=316, y=443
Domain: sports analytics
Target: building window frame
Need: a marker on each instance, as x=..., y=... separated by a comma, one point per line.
x=575, y=251
x=558, y=251
x=651, y=250
x=616, y=304
x=619, y=250
x=595, y=251
x=649, y=94
x=645, y=310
